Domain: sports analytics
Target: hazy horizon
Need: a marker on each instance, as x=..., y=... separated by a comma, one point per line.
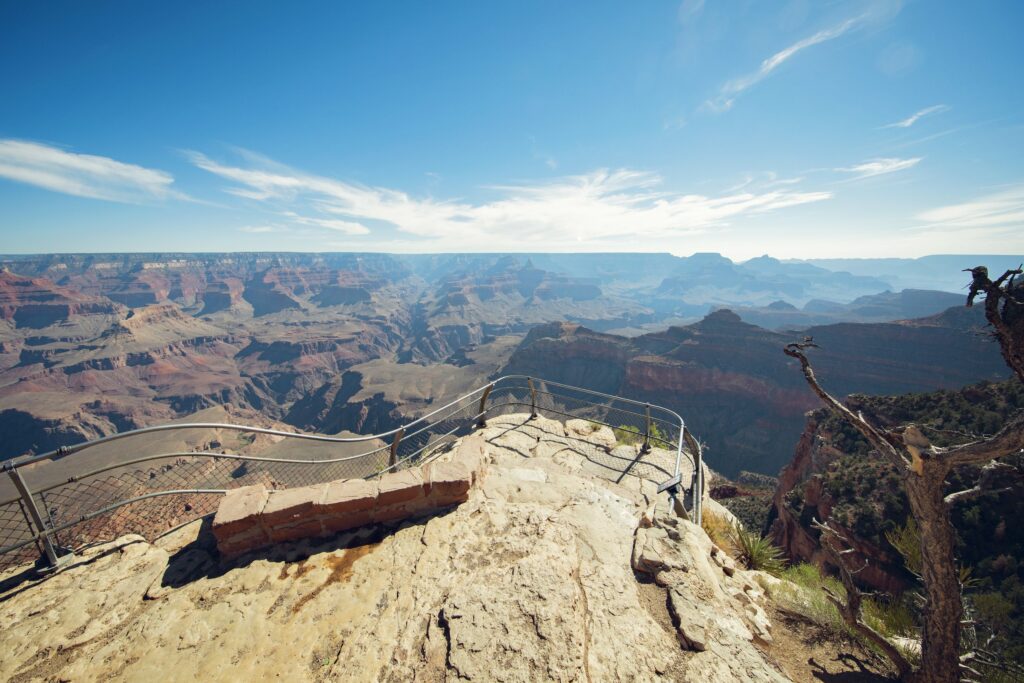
x=199, y=252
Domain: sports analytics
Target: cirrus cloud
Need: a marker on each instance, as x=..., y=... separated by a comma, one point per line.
x=732, y=89
x=82, y=175
x=881, y=166
x=917, y=116
x=994, y=213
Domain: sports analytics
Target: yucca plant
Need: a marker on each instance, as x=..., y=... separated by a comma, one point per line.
x=755, y=551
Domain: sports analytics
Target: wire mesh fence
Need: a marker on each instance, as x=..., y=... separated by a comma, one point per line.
x=633, y=425
x=156, y=492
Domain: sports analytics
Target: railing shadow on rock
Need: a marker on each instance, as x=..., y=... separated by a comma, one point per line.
x=55, y=510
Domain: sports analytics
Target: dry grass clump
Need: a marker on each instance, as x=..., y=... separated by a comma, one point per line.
x=749, y=548
x=717, y=528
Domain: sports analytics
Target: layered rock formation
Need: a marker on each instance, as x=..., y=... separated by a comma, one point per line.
x=93, y=341
x=909, y=303
x=37, y=303
x=731, y=381
x=791, y=525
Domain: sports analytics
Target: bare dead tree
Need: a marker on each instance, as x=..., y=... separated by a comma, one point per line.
x=840, y=549
x=923, y=468
x=1004, y=310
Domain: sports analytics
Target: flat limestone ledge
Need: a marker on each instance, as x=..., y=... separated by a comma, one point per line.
x=251, y=517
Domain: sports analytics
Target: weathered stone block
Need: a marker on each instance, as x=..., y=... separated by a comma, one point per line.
x=253, y=538
x=448, y=482
x=399, y=487
x=691, y=624
x=346, y=521
x=289, y=505
x=391, y=513
x=348, y=496
x=239, y=510
x=303, y=527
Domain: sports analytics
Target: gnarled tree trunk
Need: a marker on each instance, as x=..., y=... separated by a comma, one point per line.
x=940, y=637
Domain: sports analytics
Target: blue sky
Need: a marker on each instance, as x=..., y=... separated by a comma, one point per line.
x=799, y=129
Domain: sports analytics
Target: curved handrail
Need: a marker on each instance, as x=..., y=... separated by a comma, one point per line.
x=64, y=451
x=447, y=412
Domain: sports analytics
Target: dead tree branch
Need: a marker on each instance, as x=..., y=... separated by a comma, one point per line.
x=990, y=480
x=1004, y=310
x=1007, y=441
x=832, y=540
x=882, y=441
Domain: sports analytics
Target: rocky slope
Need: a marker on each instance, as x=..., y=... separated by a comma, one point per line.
x=37, y=302
x=547, y=572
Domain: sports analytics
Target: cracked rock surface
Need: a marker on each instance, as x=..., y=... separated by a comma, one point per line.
x=532, y=579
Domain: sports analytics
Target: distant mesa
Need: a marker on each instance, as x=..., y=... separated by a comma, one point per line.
x=37, y=303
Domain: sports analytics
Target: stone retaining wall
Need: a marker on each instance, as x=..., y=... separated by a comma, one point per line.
x=252, y=517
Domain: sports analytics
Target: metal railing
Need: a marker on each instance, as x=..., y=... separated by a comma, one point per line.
x=56, y=507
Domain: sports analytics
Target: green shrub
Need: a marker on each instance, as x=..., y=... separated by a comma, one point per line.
x=627, y=435
x=891, y=617
x=802, y=592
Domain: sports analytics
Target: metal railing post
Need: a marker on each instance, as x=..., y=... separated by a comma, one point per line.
x=533, y=398
x=33, y=511
x=393, y=459
x=483, y=405
x=697, y=481
x=646, y=448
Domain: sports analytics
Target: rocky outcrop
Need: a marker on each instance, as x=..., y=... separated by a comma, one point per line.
x=801, y=497
x=533, y=577
x=266, y=295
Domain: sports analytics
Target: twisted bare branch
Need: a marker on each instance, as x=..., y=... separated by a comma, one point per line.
x=881, y=440
x=832, y=541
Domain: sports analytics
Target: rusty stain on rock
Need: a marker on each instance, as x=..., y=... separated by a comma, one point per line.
x=341, y=567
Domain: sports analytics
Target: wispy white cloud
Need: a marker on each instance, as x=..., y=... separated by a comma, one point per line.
x=732, y=89
x=347, y=227
x=600, y=207
x=82, y=175
x=914, y=118
x=875, y=167
x=997, y=212
x=260, y=229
